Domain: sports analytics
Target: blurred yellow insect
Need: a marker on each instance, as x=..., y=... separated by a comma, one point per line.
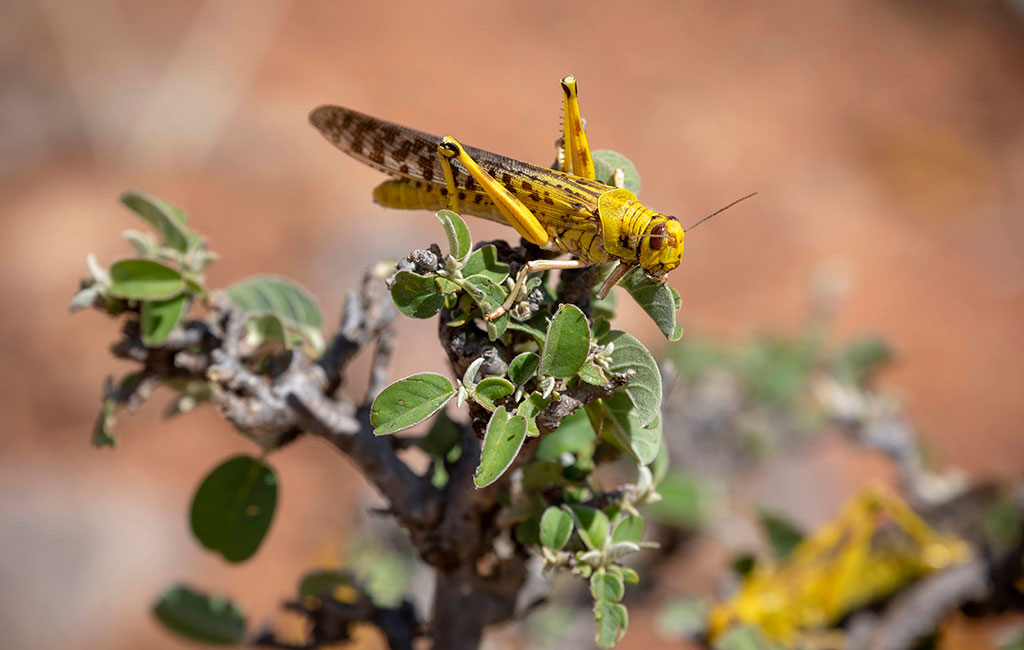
x=876, y=546
x=564, y=210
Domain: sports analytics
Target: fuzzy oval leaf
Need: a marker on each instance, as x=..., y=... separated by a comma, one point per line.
x=592, y=525
x=567, y=343
x=441, y=438
x=233, y=507
x=502, y=441
x=417, y=296
x=199, y=616
x=491, y=389
x=409, y=401
x=619, y=423
x=144, y=280
x=574, y=435
x=592, y=374
x=657, y=298
x=607, y=161
x=530, y=408
x=612, y=620
x=165, y=218
x=158, y=318
x=266, y=328
x=523, y=368
x=555, y=528
x=489, y=296
x=289, y=301
x=607, y=586
x=644, y=390
x=629, y=529
x=459, y=241
x=484, y=261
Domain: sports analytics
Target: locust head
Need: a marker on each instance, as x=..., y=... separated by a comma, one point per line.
x=661, y=246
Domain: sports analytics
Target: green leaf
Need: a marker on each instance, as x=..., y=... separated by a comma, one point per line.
x=144, y=280
x=267, y=328
x=861, y=358
x=441, y=438
x=459, y=241
x=592, y=525
x=491, y=389
x=543, y=475
x=199, y=616
x=102, y=436
x=383, y=572
x=409, y=401
x=530, y=408
x=159, y=318
x=489, y=296
x=233, y=507
x=657, y=298
x=783, y=535
x=166, y=219
x=629, y=529
x=612, y=620
x=417, y=296
x=484, y=261
x=574, y=435
x=685, y=501
x=523, y=368
x=607, y=161
x=659, y=467
x=502, y=441
x=644, y=389
x=628, y=575
x=86, y=297
x=536, y=327
x=606, y=586
x=600, y=327
x=323, y=582
x=555, y=528
x=592, y=374
x=449, y=289
x=567, y=343
x=293, y=304
x=619, y=423
x=527, y=532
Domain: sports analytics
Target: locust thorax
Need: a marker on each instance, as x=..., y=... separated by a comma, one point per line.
x=661, y=246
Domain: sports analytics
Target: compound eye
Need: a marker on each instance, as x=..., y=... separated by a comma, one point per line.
x=658, y=236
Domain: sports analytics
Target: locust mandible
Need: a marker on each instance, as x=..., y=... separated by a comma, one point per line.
x=565, y=210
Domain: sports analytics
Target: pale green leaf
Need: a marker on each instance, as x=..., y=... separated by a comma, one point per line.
x=501, y=445
x=459, y=241
x=158, y=318
x=657, y=298
x=644, y=389
x=200, y=617
x=409, y=401
x=144, y=280
x=567, y=343
x=555, y=528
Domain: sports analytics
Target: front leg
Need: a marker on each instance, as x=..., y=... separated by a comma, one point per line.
x=533, y=266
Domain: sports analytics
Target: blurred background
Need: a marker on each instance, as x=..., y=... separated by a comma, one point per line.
x=884, y=138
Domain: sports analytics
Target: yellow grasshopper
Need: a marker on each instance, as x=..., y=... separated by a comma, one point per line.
x=876, y=546
x=564, y=210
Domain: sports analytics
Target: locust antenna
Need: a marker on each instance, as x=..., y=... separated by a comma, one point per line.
x=720, y=210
